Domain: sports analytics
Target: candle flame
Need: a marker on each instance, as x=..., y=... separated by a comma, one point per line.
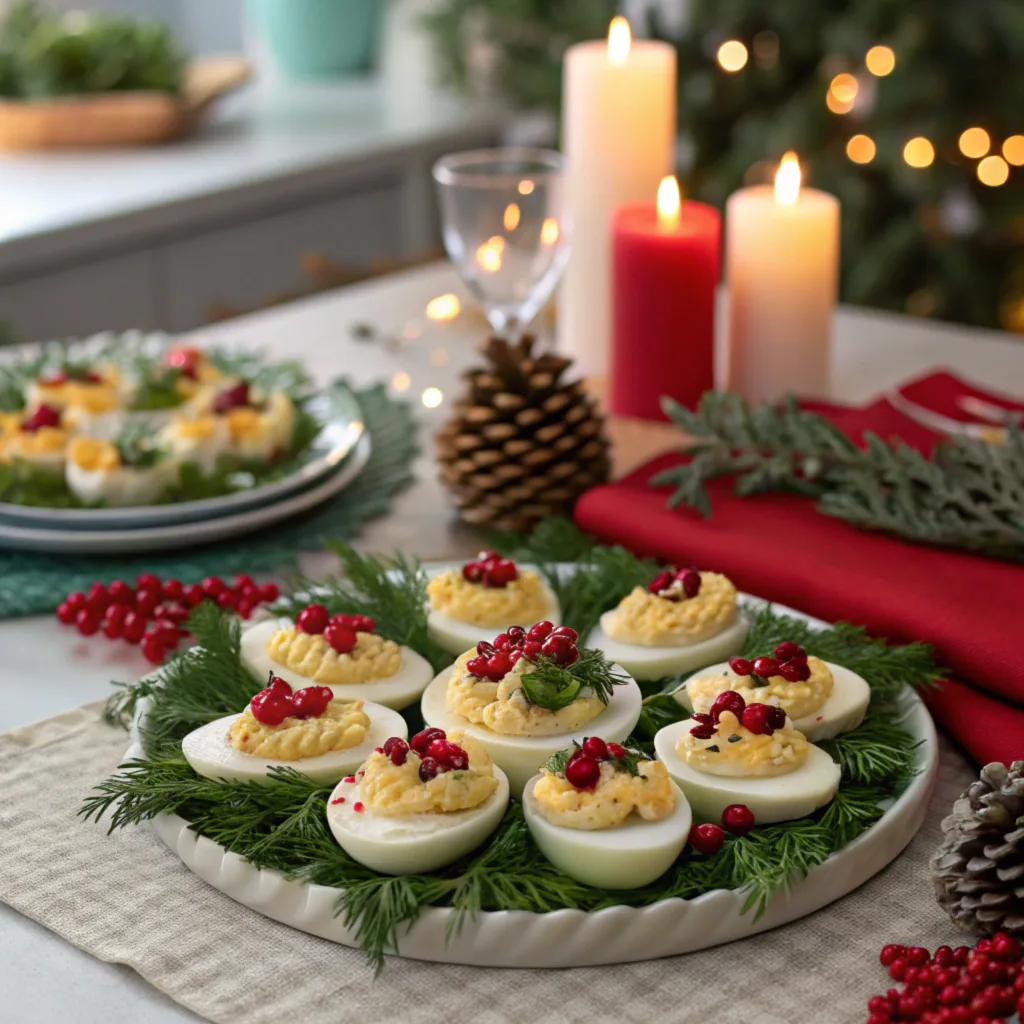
x=669, y=202
x=550, y=231
x=787, y=180
x=620, y=39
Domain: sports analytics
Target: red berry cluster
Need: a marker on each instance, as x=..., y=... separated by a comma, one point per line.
x=44, y=416
x=495, y=660
x=490, y=569
x=436, y=752
x=790, y=662
x=689, y=580
x=277, y=702
x=709, y=838
x=153, y=612
x=55, y=378
x=186, y=360
x=583, y=769
x=761, y=719
x=952, y=986
x=234, y=397
x=338, y=630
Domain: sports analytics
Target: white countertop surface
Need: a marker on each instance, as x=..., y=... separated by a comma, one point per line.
x=46, y=668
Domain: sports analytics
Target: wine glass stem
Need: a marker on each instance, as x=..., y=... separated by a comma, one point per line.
x=506, y=326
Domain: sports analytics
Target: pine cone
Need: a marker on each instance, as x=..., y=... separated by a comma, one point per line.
x=522, y=444
x=979, y=869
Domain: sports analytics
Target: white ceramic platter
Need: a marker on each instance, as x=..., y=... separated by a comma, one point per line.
x=336, y=409
x=572, y=938
x=176, y=536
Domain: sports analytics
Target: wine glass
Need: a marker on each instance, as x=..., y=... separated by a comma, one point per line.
x=507, y=229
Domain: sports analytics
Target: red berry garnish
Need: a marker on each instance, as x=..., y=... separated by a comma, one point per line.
x=502, y=642
x=53, y=378
x=270, y=708
x=429, y=769
x=268, y=593
x=192, y=594
x=791, y=671
x=1005, y=947
x=477, y=666
x=213, y=587
x=44, y=416
x=741, y=666
x=485, y=649
x=146, y=602
x=313, y=619
x=539, y=631
x=244, y=582
x=690, y=579
x=960, y=955
x=473, y=572
x=339, y=636
x=499, y=664
x=776, y=717
x=173, y=590
x=234, y=397
x=561, y=649
x=582, y=771
x=500, y=573
x=890, y=953
x=424, y=738
x=98, y=598
x=787, y=650
x=566, y=631
x=917, y=956
x=616, y=750
x=738, y=819
x=362, y=623
x=86, y=621
x=245, y=608
x=76, y=599
x=532, y=650
x=228, y=600
x=120, y=592
x=707, y=839
x=134, y=627
x=898, y=969
x=113, y=627
x=766, y=667
x=727, y=700
x=596, y=747
x=661, y=581
x=705, y=727
x=399, y=751
x=66, y=612
x=758, y=718
x=153, y=651
x=311, y=701
x=147, y=581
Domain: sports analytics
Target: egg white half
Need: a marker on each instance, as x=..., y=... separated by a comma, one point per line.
x=210, y=753
x=397, y=691
x=627, y=857
x=778, y=798
x=410, y=844
x=205, y=452
x=520, y=756
x=104, y=426
x=456, y=636
x=646, y=663
x=844, y=710
x=120, y=487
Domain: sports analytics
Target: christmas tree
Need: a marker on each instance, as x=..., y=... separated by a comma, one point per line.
x=911, y=113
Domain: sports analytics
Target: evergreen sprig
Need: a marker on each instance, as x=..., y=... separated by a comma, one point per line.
x=969, y=494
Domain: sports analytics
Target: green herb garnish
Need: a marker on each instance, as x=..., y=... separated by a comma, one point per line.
x=550, y=685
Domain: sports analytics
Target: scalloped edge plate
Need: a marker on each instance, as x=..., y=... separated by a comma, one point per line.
x=574, y=938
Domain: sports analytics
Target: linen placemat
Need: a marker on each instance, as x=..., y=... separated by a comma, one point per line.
x=133, y=902
x=31, y=584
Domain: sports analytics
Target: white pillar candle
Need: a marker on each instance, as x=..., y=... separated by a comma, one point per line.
x=782, y=267
x=619, y=132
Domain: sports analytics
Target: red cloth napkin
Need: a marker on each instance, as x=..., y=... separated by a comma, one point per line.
x=780, y=548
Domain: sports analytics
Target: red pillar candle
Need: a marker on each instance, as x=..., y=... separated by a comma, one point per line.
x=665, y=265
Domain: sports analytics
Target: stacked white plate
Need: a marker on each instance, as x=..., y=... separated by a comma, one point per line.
x=335, y=459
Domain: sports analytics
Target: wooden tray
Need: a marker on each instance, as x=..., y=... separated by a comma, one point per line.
x=120, y=119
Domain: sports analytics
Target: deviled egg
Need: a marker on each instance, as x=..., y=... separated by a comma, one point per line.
x=38, y=439
x=606, y=816
x=532, y=693
x=343, y=652
x=193, y=367
x=418, y=806
x=749, y=754
x=91, y=399
x=306, y=729
x=102, y=472
x=484, y=597
x=683, y=620
x=202, y=440
x=821, y=698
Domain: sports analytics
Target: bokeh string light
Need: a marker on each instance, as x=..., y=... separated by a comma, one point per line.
x=1013, y=150
x=919, y=152
x=975, y=143
x=993, y=171
x=880, y=60
x=861, y=149
x=732, y=55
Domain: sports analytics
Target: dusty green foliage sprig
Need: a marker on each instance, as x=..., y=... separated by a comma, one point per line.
x=553, y=686
x=282, y=824
x=968, y=494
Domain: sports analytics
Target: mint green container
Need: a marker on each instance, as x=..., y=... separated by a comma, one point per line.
x=319, y=38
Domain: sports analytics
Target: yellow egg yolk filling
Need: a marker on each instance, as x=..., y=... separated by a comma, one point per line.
x=88, y=396
x=649, y=620
x=394, y=790
x=615, y=797
x=796, y=699
x=738, y=752
x=34, y=446
x=92, y=455
x=503, y=708
x=341, y=726
x=524, y=600
x=312, y=657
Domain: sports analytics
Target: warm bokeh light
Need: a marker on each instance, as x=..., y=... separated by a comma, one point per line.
x=550, y=231
x=432, y=397
x=401, y=381
x=844, y=87
x=837, y=106
x=669, y=202
x=993, y=170
x=975, y=143
x=861, y=149
x=444, y=307
x=1013, y=150
x=732, y=55
x=526, y=187
x=620, y=39
x=787, y=180
x=880, y=60
x=489, y=255
x=919, y=152
x=511, y=218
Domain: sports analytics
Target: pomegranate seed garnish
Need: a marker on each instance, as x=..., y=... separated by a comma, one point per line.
x=707, y=839
x=358, y=806
x=86, y=621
